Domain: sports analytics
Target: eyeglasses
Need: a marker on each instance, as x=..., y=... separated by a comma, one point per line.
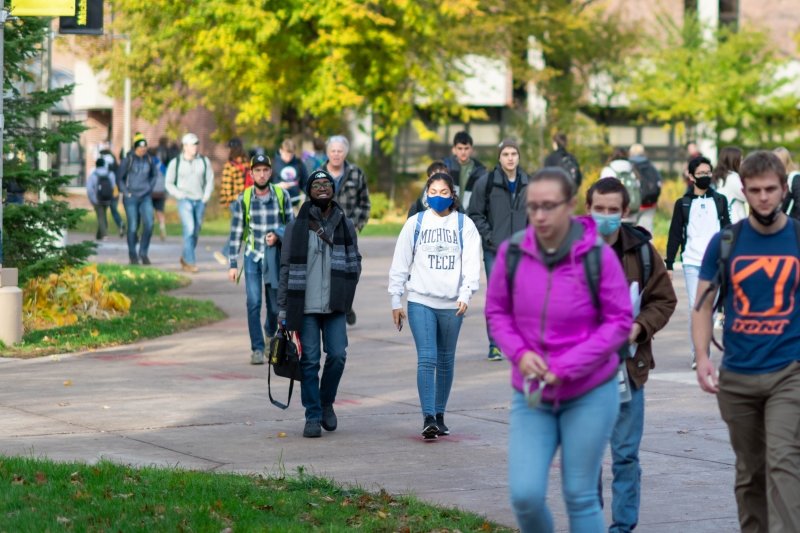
x=703, y=175
x=321, y=185
x=545, y=208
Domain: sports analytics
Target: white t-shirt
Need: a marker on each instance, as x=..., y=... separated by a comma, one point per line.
x=441, y=274
x=732, y=190
x=703, y=224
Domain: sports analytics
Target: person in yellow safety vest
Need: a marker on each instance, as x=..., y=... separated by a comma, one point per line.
x=258, y=218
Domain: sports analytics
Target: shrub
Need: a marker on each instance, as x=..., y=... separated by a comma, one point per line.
x=69, y=297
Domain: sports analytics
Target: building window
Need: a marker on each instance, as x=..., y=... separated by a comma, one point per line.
x=729, y=14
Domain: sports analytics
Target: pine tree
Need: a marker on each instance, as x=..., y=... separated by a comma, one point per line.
x=31, y=231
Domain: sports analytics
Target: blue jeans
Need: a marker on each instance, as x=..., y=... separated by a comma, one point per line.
x=191, y=213
x=488, y=263
x=313, y=392
x=435, y=334
x=625, y=441
x=254, y=287
x=581, y=427
x=139, y=210
x=691, y=275
x=115, y=212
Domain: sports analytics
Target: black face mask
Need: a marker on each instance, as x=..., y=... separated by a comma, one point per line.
x=766, y=220
x=322, y=203
x=703, y=182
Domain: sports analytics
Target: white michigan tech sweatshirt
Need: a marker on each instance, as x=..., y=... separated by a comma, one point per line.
x=442, y=274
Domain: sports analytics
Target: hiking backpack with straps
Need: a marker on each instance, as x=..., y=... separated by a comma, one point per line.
x=630, y=180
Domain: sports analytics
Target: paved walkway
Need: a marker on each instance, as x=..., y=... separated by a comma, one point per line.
x=192, y=400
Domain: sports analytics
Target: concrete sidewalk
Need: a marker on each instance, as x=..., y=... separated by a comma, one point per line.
x=192, y=400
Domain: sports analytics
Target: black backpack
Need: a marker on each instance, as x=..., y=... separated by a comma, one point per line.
x=570, y=164
x=105, y=190
x=650, y=181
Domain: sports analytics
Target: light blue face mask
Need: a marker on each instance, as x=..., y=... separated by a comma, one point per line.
x=607, y=224
x=440, y=203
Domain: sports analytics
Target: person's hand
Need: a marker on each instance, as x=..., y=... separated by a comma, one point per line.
x=551, y=379
x=707, y=375
x=398, y=315
x=232, y=274
x=636, y=330
x=462, y=309
x=669, y=273
x=271, y=239
x=532, y=365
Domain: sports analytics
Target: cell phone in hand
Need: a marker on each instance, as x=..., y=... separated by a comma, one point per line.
x=400, y=324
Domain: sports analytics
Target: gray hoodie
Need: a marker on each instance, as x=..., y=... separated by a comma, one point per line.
x=137, y=176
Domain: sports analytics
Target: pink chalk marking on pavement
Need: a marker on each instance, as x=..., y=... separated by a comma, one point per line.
x=347, y=402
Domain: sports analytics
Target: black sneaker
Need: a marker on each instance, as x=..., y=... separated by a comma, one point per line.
x=329, y=420
x=145, y=260
x=312, y=429
x=430, y=431
x=443, y=430
x=132, y=259
x=351, y=318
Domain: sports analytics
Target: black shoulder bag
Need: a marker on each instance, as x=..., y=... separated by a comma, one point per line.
x=284, y=361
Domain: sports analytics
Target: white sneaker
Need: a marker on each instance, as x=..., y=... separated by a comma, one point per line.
x=257, y=357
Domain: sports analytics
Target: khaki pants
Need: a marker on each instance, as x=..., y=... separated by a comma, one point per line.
x=763, y=416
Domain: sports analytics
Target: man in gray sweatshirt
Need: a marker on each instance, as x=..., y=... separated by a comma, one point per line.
x=137, y=178
x=190, y=180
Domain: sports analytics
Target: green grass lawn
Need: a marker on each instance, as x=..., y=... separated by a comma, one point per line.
x=41, y=495
x=152, y=314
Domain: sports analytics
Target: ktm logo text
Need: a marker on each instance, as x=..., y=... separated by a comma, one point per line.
x=775, y=272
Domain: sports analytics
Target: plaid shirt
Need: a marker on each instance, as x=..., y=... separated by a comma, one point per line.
x=352, y=195
x=264, y=217
x=233, y=176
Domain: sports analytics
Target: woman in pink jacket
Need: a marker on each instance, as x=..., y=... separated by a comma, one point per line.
x=562, y=338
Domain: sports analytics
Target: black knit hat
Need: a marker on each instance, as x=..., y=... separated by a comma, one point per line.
x=319, y=175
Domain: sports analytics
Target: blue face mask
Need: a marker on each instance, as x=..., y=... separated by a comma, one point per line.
x=607, y=224
x=439, y=203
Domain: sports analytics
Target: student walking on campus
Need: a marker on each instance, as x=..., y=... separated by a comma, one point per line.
x=465, y=169
x=607, y=202
x=136, y=181
x=258, y=219
x=758, y=386
x=696, y=217
x=558, y=306
x=791, y=205
x=320, y=268
x=437, y=258
x=350, y=193
x=101, y=188
x=190, y=180
x=498, y=210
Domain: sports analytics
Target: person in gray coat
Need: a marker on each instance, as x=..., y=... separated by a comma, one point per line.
x=497, y=208
x=320, y=268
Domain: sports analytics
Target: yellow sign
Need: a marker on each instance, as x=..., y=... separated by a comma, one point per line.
x=43, y=8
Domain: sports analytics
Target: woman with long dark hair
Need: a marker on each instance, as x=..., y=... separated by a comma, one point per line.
x=437, y=258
